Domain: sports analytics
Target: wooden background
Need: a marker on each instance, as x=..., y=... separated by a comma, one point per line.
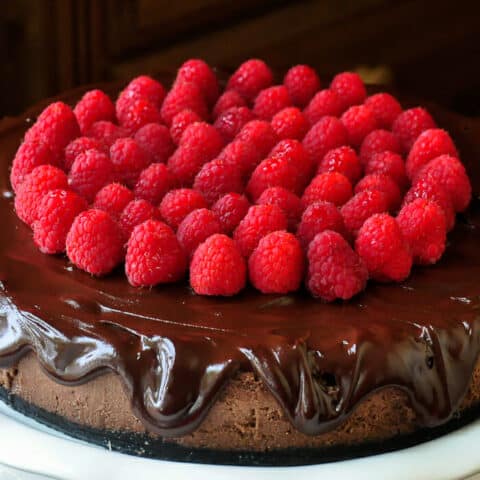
x=430, y=48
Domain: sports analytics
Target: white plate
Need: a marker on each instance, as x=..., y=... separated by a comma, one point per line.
x=32, y=447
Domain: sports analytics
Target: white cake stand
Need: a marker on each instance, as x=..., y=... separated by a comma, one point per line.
x=28, y=448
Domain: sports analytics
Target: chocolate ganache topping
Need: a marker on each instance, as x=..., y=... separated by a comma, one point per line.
x=175, y=351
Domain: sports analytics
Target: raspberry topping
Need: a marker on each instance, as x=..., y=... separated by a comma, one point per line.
x=388, y=163
x=154, y=182
x=139, y=113
x=198, y=72
x=302, y=83
x=410, y=124
x=342, y=160
x=260, y=134
x=325, y=103
x=243, y=155
x=180, y=122
x=81, y=145
x=183, y=96
x=156, y=141
x=230, y=122
x=350, y=89
x=135, y=213
x=286, y=200
x=378, y=141
x=383, y=183
x=358, y=121
x=270, y=101
x=113, y=198
x=94, y=106
x=107, y=132
x=227, y=100
x=250, y=78
x=295, y=153
x=143, y=87
x=331, y=187
x=230, y=210
x=177, y=204
x=385, y=107
x=290, y=123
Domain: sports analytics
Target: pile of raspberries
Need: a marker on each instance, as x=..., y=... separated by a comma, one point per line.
x=278, y=184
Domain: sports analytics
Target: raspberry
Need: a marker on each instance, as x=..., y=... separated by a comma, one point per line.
x=250, y=78
x=410, y=124
x=135, y=213
x=56, y=212
x=331, y=187
x=290, y=123
x=260, y=134
x=277, y=264
x=358, y=121
x=180, y=122
x=449, y=173
x=156, y=141
x=113, y=198
x=56, y=126
x=424, y=227
x=343, y=160
x=430, y=144
x=318, y=217
x=302, y=83
x=230, y=122
x=94, y=242
x=243, y=155
x=154, y=182
x=29, y=155
x=270, y=101
x=295, y=153
x=177, y=204
x=378, y=141
x=154, y=255
x=217, y=268
x=216, y=178
x=95, y=105
x=388, y=163
x=81, y=145
x=227, y=100
x=324, y=103
x=107, y=132
x=385, y=107
x=286, y=200
x=140, y=112
x=383, y=183
x=183, y=96
x=90, y=171
x=38, y=182
x=350, y=89
x=334, y=269
x=230, y=210
x=198, y=72
x=258, y=222
x=328, y=133
x=143, y=87
x=381, y=245
x=196, y=227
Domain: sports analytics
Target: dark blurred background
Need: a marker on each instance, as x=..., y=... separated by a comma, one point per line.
x=428, y=48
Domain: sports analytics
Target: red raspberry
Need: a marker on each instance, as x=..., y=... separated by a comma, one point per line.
x=430, y=144
x=290, y=123
x=94, y=242
x=295, y=153
x=381, y=245
x=177, y=204
x=41, y=179
x=383, y=183
x=156, y=141
x=90, y=171
x=106, y=132
x=359, y=121
x=140, y=112
x=258, y=222
x=243, y=155
x=328, y=133
x=385, y=107
x=449, y=173
x=56, y=212
x=227, y=100
x=143, y=87
x=270, y=101
x=196, y=227
x=286, y=200
x=250, y=78
x=154, y=255
x=29, y=155
x=217, y=268
x=343, y=160
x=424, y=227
x=216, y=178
x=260, y=134
x=154, y=182
x=325, y=103
x=230, y=210
x=230, y=122
x=183, y=96
x=410, y=124
x=180, y=122
x=135, y=213
x=388, y=163
x=81, y=145
x=334, y=269
x=378, y=141
x=113, y=198
x=95, y=105
x=56, y=127
x=302, y=83
x=350, y=89
x=318, y=217
x=329, y=187
x=277, y=264
x=198, y=72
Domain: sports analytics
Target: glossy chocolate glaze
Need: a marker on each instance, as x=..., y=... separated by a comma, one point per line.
x=175, y=350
